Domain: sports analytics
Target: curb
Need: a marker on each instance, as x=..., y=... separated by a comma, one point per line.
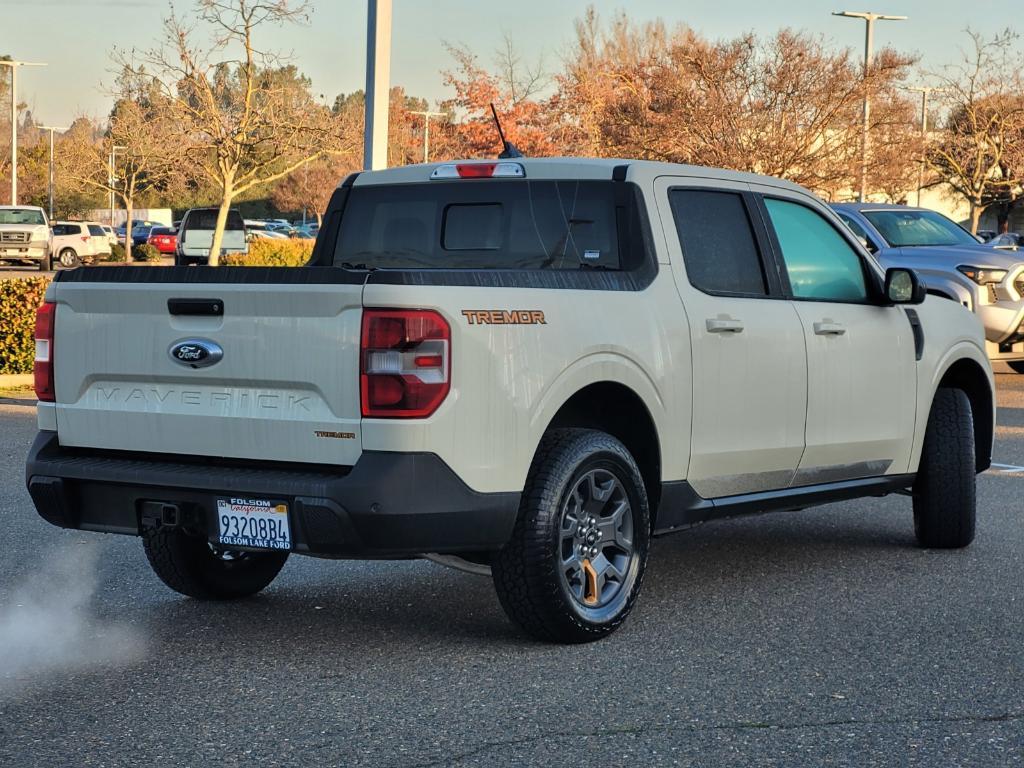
x=16, y=380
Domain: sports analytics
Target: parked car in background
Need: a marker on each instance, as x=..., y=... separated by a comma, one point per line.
x=195, y=236
x=25, y=236
x=1007, y=240
x=164, y=239
x=952, y=264
x=141, y=233
x=986, y=234
x=78, y=242
x=264, y=234
x=109, y=231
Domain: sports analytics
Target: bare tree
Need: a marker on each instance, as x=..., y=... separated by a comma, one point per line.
x=139, y=138
x=244, y=116
x=979, y=150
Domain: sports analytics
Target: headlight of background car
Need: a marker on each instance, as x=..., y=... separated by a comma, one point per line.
x=983, y=276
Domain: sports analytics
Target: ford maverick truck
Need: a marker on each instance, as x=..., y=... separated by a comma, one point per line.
x=528, y=367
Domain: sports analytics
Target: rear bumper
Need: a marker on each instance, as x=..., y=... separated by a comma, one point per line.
x=387, y=505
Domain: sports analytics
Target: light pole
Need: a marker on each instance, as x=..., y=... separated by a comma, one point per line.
x=51, y=129
x=114, y=149
x=925, y=91
x=426, y=130
x=378, y=79
x=869, y=40
x=14, y=120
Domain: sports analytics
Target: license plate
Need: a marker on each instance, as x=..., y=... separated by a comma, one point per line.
x=256, y=523
x=14, y=251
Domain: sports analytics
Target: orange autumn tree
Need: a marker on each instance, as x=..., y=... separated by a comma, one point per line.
x=517, y=91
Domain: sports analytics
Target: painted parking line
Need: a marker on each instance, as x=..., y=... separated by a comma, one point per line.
x=1005, y=469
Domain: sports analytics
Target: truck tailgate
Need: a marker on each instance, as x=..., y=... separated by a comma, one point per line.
x=286, y=388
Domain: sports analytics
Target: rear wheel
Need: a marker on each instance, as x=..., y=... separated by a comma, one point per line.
x=944, y=491
x=575, y=562
x=68, y=258
x=192, y=566
x=1016, y=365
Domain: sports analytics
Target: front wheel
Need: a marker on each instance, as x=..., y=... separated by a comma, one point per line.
x=573, y=567
x=192, y=566
x=45, y=264
x=945, y=505
x=1017, y=366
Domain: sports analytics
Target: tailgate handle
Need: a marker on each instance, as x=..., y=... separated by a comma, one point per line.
x=213, y=307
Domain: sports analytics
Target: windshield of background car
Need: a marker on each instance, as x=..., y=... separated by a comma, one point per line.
x=28, y=216
x=908, y=229
x=161, y=231
x=491, y=224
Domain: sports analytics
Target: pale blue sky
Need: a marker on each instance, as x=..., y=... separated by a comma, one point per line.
x=73, y=36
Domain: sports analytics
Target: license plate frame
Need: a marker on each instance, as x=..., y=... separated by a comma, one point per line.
x=253, y=523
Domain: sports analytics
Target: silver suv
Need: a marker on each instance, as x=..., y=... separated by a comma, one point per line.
x=25, y=235
x=953, y=264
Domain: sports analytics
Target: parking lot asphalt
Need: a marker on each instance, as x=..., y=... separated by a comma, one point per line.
x=823, y=637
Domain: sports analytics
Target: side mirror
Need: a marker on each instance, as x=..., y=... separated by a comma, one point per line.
x=903, y=287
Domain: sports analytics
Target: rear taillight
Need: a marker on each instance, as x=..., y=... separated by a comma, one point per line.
x=405, y=363
x=42, y=368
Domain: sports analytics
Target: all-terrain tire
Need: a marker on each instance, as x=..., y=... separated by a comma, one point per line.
x=188, y=565
x=526, y=571
x=945, y=504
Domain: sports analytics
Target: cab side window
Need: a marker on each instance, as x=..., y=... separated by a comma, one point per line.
x=820, y=263
x=719, y=249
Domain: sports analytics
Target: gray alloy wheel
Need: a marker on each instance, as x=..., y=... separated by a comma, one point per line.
x=596, y=544
x=68, y=258
x=574, y=563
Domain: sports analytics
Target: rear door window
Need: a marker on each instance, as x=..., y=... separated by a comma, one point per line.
x=719, y=248
x=489, y=224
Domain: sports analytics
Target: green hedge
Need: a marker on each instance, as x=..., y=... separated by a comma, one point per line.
x=19, y=300
x=272, y=253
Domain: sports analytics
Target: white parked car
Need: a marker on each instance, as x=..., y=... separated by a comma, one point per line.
x=78, y=242
x=109, y=231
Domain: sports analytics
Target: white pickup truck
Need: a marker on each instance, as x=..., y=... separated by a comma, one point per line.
x=527, y=366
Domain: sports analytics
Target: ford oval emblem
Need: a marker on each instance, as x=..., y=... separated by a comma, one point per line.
x=196, y=353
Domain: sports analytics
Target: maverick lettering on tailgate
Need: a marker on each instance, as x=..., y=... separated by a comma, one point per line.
x=504, y=316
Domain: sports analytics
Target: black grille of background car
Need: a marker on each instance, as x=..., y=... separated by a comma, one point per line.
x=14, y=237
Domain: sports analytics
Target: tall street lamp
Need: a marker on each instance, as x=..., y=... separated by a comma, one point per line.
x=378, y=79
x=869, y=40
x=14, y=120
x=426, y=130
x=51, y=129
x=925, y=91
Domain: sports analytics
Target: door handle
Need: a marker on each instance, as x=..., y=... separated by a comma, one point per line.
x=724, y=325
x=828, y=328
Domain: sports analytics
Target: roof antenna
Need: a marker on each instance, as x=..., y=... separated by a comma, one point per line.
x=509, y=149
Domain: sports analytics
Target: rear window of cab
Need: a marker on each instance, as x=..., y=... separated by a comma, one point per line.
x=515, y=224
